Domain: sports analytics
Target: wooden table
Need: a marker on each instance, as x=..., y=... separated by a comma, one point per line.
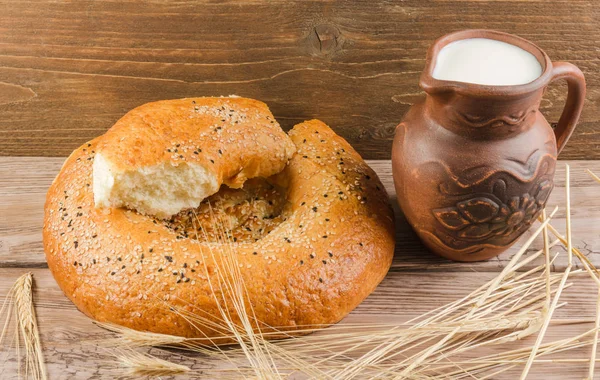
x=417, y=282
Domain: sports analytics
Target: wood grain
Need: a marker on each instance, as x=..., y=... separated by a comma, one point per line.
x=72, y=349
x=70, y=69
x=24, y=181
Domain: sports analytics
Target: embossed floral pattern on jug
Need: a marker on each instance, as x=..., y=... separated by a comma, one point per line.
x=474, y=164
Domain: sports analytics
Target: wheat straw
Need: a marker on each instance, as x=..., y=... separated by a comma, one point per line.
x=19, y=304
x=143, y=364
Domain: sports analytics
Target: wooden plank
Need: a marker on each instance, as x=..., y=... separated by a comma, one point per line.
x=69, y=70
x=71, y=348
x=24, y=180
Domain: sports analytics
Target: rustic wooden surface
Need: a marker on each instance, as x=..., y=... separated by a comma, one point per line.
x=70, y=69
x=418, y=281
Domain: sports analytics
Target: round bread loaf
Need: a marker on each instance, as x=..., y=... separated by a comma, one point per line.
x=309, y=243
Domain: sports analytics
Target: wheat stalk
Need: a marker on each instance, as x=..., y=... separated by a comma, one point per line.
x=18, y=304
x=137, y=363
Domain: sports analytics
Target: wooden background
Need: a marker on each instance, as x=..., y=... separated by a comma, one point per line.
x=70, y=69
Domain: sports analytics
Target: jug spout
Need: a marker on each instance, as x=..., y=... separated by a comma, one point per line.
x=482, y=111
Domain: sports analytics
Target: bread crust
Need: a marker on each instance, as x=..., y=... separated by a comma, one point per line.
x=329, y=254
x=230, y=139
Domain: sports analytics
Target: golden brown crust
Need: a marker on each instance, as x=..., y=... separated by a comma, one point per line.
x=235, y=138
x=333, y=248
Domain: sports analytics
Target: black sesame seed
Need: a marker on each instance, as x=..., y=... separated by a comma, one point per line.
x=255, y=253
x=324, y=236
x=361, y=244
x=178, y=280
x=324, y=262
x=151, y=250
x=123, y=267
x=302, y=204
x=160, y=269
x=94, y=261
x=320, y=279
x=108, y=259
x=314, y=209
x=330, y=254
x=312, y=256
x=169, y=258
x=112, y=273
x=76, y=244
x=220, y=151
x=185, y=265
x=301, y=262
x=75, y=263
x=213, y=161
x=187, y=279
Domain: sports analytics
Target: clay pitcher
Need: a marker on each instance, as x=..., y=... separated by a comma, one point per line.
x=474, y=164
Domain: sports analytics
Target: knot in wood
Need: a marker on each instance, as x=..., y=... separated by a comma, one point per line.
x=325, y=40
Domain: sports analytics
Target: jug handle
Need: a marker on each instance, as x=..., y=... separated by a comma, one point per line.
x=574, y=104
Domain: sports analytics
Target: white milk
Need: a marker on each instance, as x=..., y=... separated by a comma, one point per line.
x=485, y=61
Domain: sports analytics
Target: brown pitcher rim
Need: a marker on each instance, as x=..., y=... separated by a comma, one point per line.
x=432, y=86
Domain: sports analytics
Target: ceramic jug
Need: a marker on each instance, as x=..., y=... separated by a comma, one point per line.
x=474, y=164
